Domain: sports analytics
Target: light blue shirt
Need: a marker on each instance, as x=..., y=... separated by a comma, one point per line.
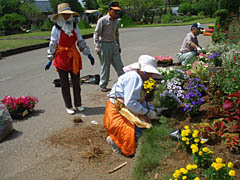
x=129, y=87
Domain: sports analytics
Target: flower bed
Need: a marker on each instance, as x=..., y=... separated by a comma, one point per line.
x=19, y=107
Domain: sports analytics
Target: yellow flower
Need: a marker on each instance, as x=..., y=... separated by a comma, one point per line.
x=186, y=127
x=184, y=171
x=184, y=138
x=176, y=174
x=202, y=142
x=189, y=167
x=230, y=165
x=196, y=140
x=231, y=173
x=196, y=178
x=200, y=153
x=219, y=160
x=183, y=133
x=184, y=177
x=188, y=131
x=194, y=166
x=205, y=149
x=187, y=142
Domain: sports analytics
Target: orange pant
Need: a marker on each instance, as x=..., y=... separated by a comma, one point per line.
x=121, y=131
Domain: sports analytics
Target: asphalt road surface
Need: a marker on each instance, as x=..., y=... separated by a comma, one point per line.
x=23, y=74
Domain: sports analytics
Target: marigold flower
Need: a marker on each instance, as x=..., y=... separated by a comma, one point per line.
x=200, y=153
x=184, y=171
x=230, y=165
x=196, y=178
x=219, y=160
x=196, y=140
x=231, y=173
x=186, y=127
x=184, y=177
x=205, y=149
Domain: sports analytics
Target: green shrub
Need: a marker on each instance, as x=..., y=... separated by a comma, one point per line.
x=12, y=22
x=185, y=8
x=47, y=25
x=167, y=18
x=83, y=24
x=126, y=21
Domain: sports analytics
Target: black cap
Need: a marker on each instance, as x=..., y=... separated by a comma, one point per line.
x=197, y=25
x=114, y=5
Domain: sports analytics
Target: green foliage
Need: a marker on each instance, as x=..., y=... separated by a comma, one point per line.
x=208, y=7
x=126, y=21
x=83, y=24
x=167, y=18
x=12, y=22
x=74, y=4
x=47, y=25
x=9, y=6
x=91, y=4
x=185, y=8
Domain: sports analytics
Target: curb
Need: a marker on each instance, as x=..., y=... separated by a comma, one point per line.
x=32, y=47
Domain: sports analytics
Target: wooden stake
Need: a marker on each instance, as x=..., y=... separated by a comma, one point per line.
x=117, y=168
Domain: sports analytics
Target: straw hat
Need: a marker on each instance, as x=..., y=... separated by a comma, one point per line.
x=64, y=8
x=145, y=63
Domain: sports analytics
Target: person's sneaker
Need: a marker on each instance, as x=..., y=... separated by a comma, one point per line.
x=70, y=111
x=80, y=108
x=104, y=89
x=175, y=134
x=115, y=148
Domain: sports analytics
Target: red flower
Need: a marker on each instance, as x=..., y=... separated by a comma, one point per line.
x=234, y=58
x=234, y=79
x=231, y=37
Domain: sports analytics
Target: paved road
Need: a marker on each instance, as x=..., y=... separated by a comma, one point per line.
x=24, y=74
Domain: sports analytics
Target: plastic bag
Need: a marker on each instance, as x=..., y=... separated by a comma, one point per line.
x=6, y=126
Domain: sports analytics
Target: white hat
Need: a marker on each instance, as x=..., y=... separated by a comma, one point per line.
x=64, y=8
x=145, y=63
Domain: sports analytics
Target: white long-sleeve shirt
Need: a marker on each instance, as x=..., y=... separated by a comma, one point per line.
x=55, y=36
x=129, y=87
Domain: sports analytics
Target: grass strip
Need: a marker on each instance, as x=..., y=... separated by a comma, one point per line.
x=12, y=44
x=154, y=146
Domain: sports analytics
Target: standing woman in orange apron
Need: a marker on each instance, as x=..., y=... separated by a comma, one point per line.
x=65, y=46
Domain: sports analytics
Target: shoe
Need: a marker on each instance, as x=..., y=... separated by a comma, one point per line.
x=80, y=108
x=70, y=111
x=104, y=89
x=115, y=148
x=175, y=134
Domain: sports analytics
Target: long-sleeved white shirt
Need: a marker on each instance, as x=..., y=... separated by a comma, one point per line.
x=129, y=87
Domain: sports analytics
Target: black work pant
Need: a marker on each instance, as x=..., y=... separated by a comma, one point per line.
x=65, y=86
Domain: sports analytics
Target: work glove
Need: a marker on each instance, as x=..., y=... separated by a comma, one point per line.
x=97, y=49
x=199, y=49
x=48, y=65
x=152, y=114
x=91, y=59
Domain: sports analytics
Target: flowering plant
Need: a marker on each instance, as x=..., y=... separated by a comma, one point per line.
x=193, y=97
x=203, y=157
x=219, y=170
x=16, y=105
x=149, y=87
x=168, y=74
x=185, y=173
x=215, y=59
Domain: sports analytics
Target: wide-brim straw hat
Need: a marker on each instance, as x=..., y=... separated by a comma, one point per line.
x=145, y=63
x=64, y=8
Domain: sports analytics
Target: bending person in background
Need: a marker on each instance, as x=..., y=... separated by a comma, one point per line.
x=64, y=48
x=190, y=45
x=127, y=113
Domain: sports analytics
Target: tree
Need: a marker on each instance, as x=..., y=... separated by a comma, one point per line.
x=74, y=4
x=91, y=4
x=31, y=12
x=9, y=6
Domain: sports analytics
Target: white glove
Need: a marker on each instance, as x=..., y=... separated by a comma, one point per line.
x=199, y=49
x=152, y=114
x=97, y=49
